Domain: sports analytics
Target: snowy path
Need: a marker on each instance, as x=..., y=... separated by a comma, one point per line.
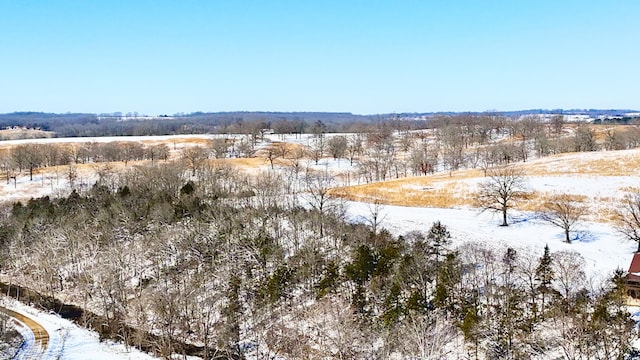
x=66, y=340
x=35, y=336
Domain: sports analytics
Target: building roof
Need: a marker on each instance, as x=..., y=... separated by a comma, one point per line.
x=634, y=269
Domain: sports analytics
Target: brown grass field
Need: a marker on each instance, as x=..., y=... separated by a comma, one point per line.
x=444, y=190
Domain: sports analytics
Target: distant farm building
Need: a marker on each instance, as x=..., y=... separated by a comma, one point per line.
x=633, y=278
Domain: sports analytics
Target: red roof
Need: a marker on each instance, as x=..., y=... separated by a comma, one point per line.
x=634, y=268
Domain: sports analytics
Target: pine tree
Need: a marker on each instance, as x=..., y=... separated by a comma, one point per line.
x=438, y=237
x=544, y=275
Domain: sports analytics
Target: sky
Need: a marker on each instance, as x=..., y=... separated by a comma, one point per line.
x=365, y=57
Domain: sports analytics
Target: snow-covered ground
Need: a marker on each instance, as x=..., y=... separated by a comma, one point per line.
x=68, y=341
x=602, y=247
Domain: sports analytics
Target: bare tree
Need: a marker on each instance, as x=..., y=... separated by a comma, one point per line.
x=72, y=175
x=557, y=122
x=105, y=173
x=274, y=151
x=502, y=190
x=584, y=138
x=319, y=186
x=219, y=148
x=427, y=336
x=563, y=212
x=424, y=159
x=526, y=128
x=376, y=215
x=8, y=166
x=245, y=148
x=354, y=147
x=131, y=151
x=337, y=146
x=295, y=166
x=28, y=156
x=271, y=154
x=53, y=154
x=452, y=140
x=318, y=147
x=160, y=151
x=195, y=157
x=568, y=267
x=628, y=218
x=614, y=140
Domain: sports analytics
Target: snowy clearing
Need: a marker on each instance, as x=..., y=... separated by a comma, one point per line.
x=602, y=247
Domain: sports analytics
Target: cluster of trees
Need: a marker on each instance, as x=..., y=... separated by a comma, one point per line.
x=488, y=141
x=31, y=156
x=394, y=149
x=234, y=263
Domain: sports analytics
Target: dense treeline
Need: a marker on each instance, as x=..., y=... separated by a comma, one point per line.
x=92, y=125
x=130, y=124
x=244, y=266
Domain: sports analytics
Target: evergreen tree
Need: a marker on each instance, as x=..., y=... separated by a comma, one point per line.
x=544, y=275
x=438, y=237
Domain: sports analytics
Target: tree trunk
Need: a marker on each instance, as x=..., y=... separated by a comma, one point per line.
x=566, y=235
x=504, y=217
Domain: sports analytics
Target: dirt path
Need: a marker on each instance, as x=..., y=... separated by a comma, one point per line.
x=41, y=337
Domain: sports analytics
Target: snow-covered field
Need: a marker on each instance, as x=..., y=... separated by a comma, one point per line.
x=603, y=249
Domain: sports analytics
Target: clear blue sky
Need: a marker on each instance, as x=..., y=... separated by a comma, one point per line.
x=365, y=57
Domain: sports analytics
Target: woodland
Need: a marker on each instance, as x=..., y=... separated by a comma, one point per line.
x=180, y=254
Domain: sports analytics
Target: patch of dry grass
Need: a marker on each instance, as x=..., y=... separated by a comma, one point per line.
x=630, y=189
x=17, y=134
x=537, y=199
x=194, y=141
x=610, y=163
x=455, y=190
x=422, y=192
x=247, y=163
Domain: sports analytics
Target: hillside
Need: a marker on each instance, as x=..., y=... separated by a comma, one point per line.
x=266, y=250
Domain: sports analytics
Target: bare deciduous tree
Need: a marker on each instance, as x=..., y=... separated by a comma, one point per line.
x=354, y=147
x=568, y=267
x=584, y=138
x=271, y=153
x=427, y=337
x=131, y=151
x=337, y=146
x=319, y=186
x=8, y=166
x=502, y=190
x=28, y=156
x=160, y=151
x=195, y=157
x=557, y=122
x=563, y=212
x=318, y=147
x=628, y=218
x=376, y=215
x=72, y=175
x=219, y=148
